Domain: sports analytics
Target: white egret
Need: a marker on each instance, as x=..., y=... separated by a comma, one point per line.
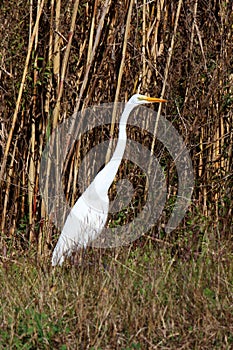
x=88, y=216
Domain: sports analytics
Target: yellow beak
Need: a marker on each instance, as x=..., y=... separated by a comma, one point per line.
x=153, y=99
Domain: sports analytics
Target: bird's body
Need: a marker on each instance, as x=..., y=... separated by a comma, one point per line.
x=88, y=216
x=79, y=229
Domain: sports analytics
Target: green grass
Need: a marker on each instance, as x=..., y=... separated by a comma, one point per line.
x=131, y=298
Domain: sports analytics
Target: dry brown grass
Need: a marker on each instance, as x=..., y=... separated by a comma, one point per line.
x=134, y=298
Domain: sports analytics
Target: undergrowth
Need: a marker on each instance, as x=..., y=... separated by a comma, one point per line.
x=147, y=297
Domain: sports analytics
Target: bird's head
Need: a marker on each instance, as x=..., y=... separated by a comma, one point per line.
x=139, y=99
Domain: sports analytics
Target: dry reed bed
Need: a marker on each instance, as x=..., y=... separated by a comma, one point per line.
x=85, y=53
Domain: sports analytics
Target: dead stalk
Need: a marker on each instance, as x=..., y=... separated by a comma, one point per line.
x=31, y=42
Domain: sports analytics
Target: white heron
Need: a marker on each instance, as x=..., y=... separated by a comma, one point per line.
x=88, y=216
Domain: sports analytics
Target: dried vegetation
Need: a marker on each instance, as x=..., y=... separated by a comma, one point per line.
x=162, y=292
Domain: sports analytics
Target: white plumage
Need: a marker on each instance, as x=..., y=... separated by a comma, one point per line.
x=88, y=216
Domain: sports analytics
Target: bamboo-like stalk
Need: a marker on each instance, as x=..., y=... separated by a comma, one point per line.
x=203, y=193
x=193, y=24
x=43, y=127
x=157, y=21
x=6, y=152
x=191, y=43
x=200, y=166
x=32, y=173
x=42, y=207
x=119, y=80
x=144, y=45
x=22, y=183
x=170, y=52
x=75, y=177
x=50, y=55
x=70, y=180
x=30, y=20
x=8, y=184
x=56, y=111
x=10, y=175
x=105, y=10
x=91, y=37
x=205, y=110
x=57, y=41
x=200, y=42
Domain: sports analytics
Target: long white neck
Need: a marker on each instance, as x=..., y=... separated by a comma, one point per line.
x=106, y=176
